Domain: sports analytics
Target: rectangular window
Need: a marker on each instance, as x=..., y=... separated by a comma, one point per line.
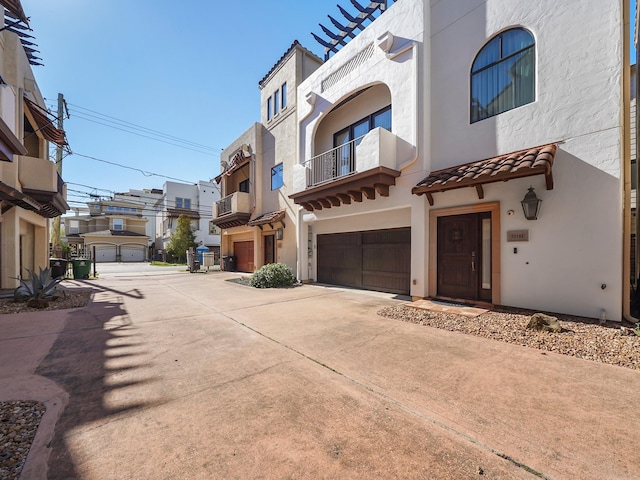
x=269, y=108
x=111, y=208
x=74, y=227
x=381, y=118
x=244, y=186
x=276, y=102
x=183, y=203
x=284, y=95
x=118, y=224
x=276, y=177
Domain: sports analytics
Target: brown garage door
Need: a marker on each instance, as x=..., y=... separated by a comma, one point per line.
x=374, y=260
x=243, y=252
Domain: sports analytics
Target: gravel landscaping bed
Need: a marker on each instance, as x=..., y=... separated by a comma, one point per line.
x=584, y=338
x=69, y=298
x=18, y=425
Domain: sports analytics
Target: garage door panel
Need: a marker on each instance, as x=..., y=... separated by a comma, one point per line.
x=105, y=253
x=243, y=251
x=376, y=260
x=132, y=253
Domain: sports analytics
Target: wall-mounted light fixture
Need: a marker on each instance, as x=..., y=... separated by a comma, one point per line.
x=531, y=205
x=279, y=233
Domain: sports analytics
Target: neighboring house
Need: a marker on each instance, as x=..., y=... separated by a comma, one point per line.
x=193, y=200
x=114, y=229
x=256, y=215
x=31, y=190
x=420, y=137
x=147, y=201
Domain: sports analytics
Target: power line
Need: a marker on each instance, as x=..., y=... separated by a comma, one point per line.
x=144, y=136
x=143, y=172
x=140, y=127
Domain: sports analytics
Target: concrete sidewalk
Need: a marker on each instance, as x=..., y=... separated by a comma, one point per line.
x=190, y=376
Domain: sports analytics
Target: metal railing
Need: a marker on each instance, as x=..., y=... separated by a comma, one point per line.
x=224, y=205
x=331, y=165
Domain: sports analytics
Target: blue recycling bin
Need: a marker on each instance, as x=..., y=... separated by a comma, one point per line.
x=199, y=252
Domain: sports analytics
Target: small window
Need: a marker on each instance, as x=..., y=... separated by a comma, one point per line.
x=276, y=102
x=269, y=108
x=111, y=208
x=118, y=224
x=276, y=177
x=73, y=227
x=244, y=186
x=503, y=74
x=183, y=203
x=284, y=95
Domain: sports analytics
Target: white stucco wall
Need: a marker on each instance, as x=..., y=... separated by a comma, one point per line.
x=576, y=245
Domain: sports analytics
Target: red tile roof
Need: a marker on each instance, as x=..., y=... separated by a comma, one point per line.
x=265, y=218
x=523, y=163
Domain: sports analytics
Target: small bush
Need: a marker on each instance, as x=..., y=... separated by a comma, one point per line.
x=273, y=275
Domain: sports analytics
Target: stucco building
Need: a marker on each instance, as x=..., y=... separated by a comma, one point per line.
x=31, y=190
x=256, y=215
x=420, y=138
x=195, y=201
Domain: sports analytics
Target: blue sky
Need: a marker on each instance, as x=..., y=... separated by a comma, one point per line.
x=189, y=72
x=185, y=69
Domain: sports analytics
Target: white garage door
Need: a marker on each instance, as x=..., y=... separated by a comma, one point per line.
x=132, y=253
x=105, y=253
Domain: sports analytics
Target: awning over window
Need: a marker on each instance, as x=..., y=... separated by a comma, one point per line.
x=15, y=8
x=45, y=123
x=267, y=219
x=523, y=163
x=15, y=197
x=10, y=145
x=238, y=159
x=176, y=212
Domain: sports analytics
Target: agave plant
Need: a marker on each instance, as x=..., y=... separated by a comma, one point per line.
x=39, y=288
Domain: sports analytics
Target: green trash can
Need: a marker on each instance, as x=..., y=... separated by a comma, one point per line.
x=81, y=268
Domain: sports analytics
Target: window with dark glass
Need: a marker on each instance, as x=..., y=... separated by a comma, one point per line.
x=277, y=179
x=183, y=202
x=284, y=95
x=269, y=108
x=276, y=102
x=244, y=186
x=503, y=74
x=381, y=118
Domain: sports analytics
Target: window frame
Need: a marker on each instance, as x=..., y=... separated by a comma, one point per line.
x=269, y=108
x=502, y=59
x=283, y=96
x=276, y=103
x=350, y=129
x=279, y=167
x=117, y=221
x=183, y=203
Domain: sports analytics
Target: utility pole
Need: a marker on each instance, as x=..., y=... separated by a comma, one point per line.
x=55, y=234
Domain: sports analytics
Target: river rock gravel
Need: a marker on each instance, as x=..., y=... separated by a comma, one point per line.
x=18, y=425
x=581, y=337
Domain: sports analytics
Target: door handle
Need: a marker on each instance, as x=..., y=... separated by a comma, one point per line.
x=473, y=261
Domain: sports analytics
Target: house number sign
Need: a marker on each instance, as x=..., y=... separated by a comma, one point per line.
x=518, y=236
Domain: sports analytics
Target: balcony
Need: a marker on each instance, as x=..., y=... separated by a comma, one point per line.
x=40, y=180
x=365, y=166
x=233, y=210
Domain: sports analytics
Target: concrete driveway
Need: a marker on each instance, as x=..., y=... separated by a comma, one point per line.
x=189, y=376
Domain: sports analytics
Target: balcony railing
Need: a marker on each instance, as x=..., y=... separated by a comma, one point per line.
x=336, y=163
x=224, y=205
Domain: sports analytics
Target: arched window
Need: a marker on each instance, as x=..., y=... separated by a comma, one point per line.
x=503, y=74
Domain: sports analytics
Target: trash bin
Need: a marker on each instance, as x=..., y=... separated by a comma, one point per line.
x=58, y=267
x=229, y=263
x=81, y=268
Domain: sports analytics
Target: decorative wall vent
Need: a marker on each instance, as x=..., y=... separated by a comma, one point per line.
x=347, y=68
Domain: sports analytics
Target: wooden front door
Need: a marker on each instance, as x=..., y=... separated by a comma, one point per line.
x=269, y=249
x=464, y=256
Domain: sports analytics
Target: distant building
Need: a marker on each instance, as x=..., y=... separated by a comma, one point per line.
x=114, y=229
x=193, y=200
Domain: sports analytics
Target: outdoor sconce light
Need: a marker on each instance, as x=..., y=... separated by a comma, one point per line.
x=531, y=205
x=279, y=234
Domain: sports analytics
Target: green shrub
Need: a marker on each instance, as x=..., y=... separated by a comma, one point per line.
x=273, y=275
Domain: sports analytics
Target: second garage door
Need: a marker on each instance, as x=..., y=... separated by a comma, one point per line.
x=373, y=260
x=105, y=253
x=132, y=253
